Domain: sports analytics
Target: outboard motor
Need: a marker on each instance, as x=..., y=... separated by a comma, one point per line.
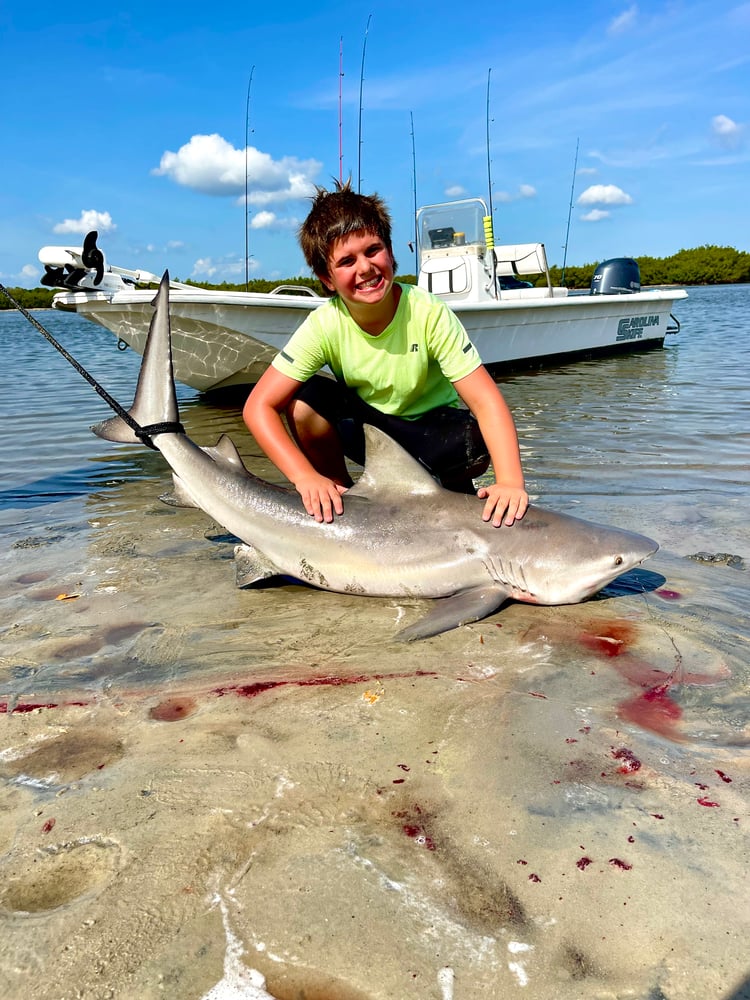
x=615, y=277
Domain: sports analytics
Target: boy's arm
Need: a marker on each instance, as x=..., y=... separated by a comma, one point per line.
x=507, y=496
x=262, y=415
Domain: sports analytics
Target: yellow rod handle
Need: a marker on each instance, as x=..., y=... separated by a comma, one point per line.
x=489, y=236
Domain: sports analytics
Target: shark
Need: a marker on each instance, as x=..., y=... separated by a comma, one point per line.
x=402, y=535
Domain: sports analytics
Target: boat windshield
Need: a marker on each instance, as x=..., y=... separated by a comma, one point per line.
x=453, y=223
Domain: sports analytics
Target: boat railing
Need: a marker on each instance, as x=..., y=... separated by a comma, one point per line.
x=294, y=290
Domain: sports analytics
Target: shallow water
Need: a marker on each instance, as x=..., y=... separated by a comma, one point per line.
x=552, y=802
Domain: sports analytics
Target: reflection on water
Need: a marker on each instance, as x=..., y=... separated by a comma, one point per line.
x=656, y=442
x=664, y=422
x=672, y=421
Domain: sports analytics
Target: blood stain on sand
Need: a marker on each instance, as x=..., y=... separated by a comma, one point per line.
x=328, y=680
x=629, y=761
x=624, y=866
x=173, y=709
x=414, y=822
x=653, y=708
x=22, y=708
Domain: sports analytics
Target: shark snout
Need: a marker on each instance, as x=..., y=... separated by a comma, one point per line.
x=638, y=549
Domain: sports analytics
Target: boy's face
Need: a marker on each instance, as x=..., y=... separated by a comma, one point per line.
x=360, y=269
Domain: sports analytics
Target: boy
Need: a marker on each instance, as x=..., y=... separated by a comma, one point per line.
x=402, y=362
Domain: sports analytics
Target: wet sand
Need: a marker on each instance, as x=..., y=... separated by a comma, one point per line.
x=199, y=780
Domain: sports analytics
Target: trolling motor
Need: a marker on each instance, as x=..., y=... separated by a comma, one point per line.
x=73, y=265
x=85, y=268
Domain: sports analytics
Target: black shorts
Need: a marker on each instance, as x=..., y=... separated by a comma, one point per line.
x=446, y=441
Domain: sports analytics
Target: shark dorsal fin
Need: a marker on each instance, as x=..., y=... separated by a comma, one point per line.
x=391, y=469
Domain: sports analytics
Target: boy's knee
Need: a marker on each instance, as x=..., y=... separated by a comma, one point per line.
x=306, y=421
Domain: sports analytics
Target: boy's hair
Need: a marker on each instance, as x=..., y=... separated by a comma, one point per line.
x=335, y=214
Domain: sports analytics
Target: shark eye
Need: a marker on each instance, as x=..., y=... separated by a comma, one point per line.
x=619, y=560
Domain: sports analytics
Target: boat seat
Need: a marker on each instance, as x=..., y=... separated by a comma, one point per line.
x=444, y=275
x=522, y=258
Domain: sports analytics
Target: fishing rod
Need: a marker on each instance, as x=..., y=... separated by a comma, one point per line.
x=489, y=235
x=142, y=433
x=247, y=208
x=341, y=112
x=414, y=190
x=570, y=211
x=361, y=85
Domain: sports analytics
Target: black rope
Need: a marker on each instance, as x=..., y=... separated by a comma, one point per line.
x=151, y=430
x=143, y=433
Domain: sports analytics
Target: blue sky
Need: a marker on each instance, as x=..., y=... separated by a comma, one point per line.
x=131, y=119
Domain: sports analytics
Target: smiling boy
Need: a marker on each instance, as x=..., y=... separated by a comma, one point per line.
x=402, y=361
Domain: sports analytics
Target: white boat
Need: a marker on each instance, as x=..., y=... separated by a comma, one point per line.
x=226, y=338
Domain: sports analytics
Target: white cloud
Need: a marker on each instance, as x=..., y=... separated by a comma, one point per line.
x=225, y=268
x=455, y=191
x=604, y=194
x=169, y=245
x=595, y=215
x=623, y=22
x=726, y=131
x=27, y=273
x=263, y=220
x=270, y=220
x=211, y=165
x=89, y=219
x=203, y=267
x=524, y=191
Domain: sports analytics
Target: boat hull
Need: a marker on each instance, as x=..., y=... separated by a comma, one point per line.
x=521, y=334
x=228, y=339
x=217, y=341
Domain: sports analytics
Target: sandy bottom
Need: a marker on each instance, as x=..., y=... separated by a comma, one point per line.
x=197, y=781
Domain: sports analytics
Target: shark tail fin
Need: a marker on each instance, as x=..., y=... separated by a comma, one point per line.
x=155, y=405
x=116, y=429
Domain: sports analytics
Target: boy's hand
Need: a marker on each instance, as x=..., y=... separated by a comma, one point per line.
x=511, y=501
x=321, y=497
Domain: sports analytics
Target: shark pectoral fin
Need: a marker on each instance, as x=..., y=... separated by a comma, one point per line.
x=179, y=497
x=450, y=612
x=251, y=566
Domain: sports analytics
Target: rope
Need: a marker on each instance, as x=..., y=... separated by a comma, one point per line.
x=143, y=433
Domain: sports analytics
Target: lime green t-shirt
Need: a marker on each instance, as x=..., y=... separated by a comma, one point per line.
x=406, y=370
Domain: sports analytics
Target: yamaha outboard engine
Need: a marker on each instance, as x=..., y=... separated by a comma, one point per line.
x=615, y=277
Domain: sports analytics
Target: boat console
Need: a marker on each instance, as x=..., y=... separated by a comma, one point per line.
x=458, y=259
